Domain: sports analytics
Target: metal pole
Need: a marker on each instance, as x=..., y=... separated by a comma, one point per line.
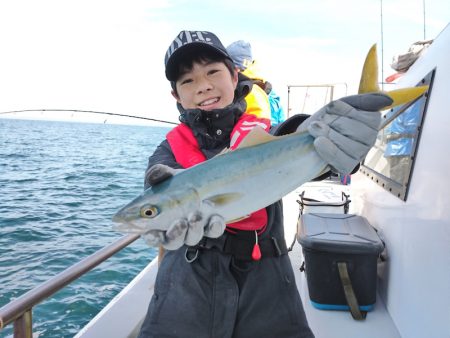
x=288, y=106
x=23, y=326
x=382, y=45
x=424, y=35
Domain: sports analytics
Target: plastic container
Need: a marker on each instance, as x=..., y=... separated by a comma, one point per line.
x=328, y=239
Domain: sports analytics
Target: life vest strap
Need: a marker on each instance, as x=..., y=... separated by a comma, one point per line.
x=241, y=245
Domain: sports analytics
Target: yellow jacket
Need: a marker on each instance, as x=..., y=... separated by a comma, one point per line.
x=257, y=100
x=253, y=72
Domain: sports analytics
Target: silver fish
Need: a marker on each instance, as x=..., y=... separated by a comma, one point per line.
x=262, y=170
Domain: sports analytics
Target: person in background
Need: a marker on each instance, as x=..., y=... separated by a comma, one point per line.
x=401, y=136
x=212, y=282
x=241, y=53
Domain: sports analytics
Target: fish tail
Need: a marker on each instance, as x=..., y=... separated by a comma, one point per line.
x=369, y=82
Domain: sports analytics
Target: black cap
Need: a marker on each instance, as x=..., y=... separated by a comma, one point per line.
x=187, y=41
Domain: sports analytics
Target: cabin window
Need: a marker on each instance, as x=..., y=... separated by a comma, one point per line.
x=391, y=161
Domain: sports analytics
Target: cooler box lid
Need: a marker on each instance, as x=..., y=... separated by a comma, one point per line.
x=341, y=233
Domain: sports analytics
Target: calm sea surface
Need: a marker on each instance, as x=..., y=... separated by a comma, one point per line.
x=60, y=184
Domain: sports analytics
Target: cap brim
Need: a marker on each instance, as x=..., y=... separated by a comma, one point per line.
x=177, y=56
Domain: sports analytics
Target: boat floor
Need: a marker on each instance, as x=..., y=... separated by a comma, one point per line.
x=326, y=323
x=122, y=317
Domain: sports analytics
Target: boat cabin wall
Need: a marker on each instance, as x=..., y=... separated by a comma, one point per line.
x=414, y=281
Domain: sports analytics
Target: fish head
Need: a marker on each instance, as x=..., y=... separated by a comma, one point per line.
x=156, y=210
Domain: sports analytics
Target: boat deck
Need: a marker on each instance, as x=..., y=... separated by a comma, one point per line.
x=325, y=323
x=124, y=315
x=340, y=324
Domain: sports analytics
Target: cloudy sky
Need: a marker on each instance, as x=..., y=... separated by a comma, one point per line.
x=107, y=55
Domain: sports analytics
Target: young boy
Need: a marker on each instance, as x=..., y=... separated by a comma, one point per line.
x=212, y=281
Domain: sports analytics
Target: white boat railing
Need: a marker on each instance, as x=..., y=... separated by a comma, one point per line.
x=308, y=98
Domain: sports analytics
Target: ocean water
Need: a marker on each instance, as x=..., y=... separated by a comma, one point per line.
x=60, y=184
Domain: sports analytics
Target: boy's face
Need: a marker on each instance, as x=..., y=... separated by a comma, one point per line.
x=207, y=86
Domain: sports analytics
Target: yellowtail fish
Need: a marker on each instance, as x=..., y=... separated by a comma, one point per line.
x=259, y=172
x=262, y=170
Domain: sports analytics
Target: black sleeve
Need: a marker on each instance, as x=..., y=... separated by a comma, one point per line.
x=289, y=126
x=162, y=155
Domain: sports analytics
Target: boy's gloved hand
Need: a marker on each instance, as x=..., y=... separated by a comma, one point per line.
x=159, y=173
x=346, y=129
x=187, y=231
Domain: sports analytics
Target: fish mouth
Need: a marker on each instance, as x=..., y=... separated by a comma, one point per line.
x=118, y=219
x=123, y=225
x=128, y=227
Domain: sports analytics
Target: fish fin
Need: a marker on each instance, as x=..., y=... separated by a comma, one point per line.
x=404, y=95
x=222, y=199
x=369, y=82
x=238, y=219
x=224, y=151
x=256, y=136
x=369, y=75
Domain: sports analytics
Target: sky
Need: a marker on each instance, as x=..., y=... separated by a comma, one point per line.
x=108, y=55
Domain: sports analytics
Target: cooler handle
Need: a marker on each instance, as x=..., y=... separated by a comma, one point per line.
x=350, y=296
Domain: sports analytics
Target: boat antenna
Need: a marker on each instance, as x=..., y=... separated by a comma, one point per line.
x=424, y=33
x=87, y=111
x=382, y=45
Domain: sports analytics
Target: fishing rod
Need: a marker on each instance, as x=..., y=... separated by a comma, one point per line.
x=86, y=111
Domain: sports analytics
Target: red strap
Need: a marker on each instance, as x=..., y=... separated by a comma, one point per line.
x=245, y=124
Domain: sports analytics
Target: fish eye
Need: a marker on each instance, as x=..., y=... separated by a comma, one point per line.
x=149, y=211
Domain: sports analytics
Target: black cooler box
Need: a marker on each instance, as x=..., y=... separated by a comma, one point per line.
x=341, y=253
